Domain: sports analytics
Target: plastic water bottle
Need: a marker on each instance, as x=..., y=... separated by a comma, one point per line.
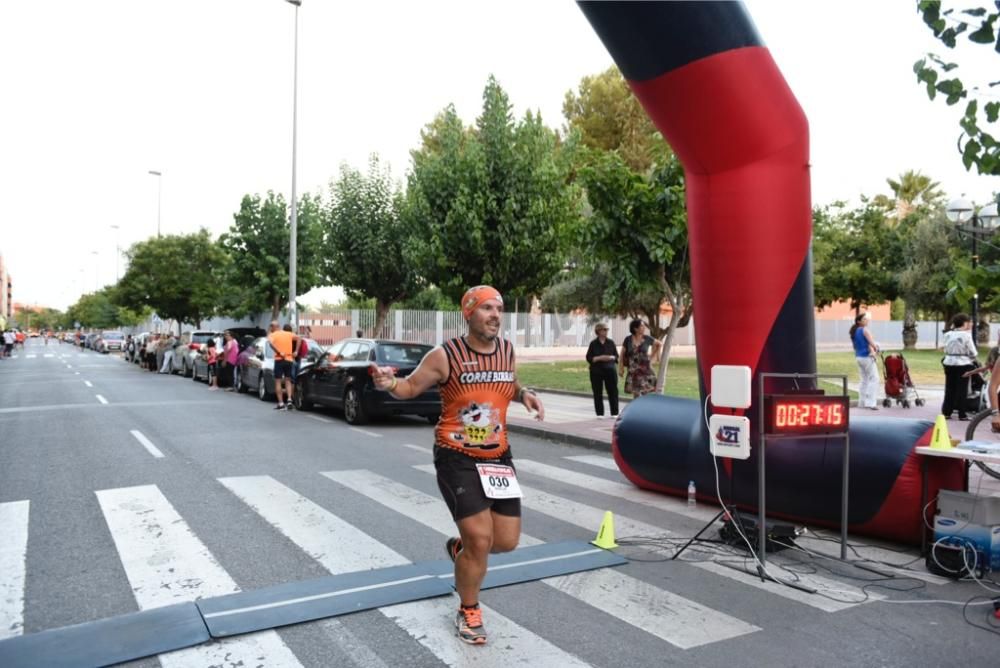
x=691, y=495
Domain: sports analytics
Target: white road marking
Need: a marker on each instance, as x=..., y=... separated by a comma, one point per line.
x=589, y=517
x=418, y=448
x=13, y=551
x=88, y=383
x=30, y=356
x=166, y=563
x=595, y=460
x=69, y=366
x=77, y=373
x=342, y=548
x=320, y=419
x=366, y=432
x=621, y=490
x=101, y=399
x=146, y=443
x=45, y=355
x=672, y=618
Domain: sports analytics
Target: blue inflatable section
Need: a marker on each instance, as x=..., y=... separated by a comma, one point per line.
x=662, y=442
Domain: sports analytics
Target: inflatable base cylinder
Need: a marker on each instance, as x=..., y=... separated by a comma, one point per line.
x=661, y=443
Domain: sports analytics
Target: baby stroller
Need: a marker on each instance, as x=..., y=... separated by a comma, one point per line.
x=898, y=385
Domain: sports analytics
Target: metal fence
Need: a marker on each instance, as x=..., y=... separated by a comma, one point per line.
x=538, y=329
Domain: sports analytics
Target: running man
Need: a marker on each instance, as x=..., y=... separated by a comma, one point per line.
x=284, y=343
x=475, y=471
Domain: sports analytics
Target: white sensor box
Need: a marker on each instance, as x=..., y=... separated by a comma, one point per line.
x=730, y=386
x=729, y=436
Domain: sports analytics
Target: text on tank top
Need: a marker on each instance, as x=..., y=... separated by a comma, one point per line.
x=474, y=399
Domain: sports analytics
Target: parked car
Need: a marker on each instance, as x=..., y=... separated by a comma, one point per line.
x=342, y=378
x=88, y=341
x=187, y=349
x=256, y=367
x=199, y=368
x=109, y=341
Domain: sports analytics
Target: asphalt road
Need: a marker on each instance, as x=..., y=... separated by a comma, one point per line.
x=122, y=490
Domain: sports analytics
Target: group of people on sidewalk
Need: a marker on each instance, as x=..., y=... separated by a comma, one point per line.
x=960, y=362
x=639, y=353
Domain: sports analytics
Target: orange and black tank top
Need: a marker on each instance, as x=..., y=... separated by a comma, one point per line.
x=474, y=399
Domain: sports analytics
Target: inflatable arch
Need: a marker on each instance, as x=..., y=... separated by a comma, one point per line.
x=704, y=76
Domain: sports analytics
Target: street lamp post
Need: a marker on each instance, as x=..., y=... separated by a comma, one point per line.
x=118, y=251
x=293, y=311
x=961, y=211
x=159, y=198
x=97, y=266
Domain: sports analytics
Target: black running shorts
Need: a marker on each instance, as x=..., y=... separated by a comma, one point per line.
x=458, y=480
x=282, y=369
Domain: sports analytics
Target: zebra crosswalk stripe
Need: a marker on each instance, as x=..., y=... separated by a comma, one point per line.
x=588, y=517
x=627, y=492
x=325, y=537
x=166, y=563
x=595, y=460
x=13, y=550
x=672, y=618
x=830, y=548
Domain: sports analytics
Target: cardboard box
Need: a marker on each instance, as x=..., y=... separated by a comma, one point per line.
x=966, y=507
x=985, y=538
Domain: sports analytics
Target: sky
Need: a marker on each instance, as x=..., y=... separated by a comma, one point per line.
x=97, y=94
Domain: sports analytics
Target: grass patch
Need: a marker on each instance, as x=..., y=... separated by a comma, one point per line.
x=682, y=375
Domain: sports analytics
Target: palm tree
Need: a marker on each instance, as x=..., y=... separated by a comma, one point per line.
x=913, y=191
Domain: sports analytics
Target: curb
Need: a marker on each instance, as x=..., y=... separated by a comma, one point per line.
x=560, y=437
x=579, y=395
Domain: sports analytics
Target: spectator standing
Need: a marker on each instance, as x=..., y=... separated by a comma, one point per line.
x=640, y=352
x=212, y=358
x=8, y=343
x=167, y=345
x=865, y=350
x=301, y=351
x=284, y=343
x=960, y=357
x=230, y=356
x=602, y=355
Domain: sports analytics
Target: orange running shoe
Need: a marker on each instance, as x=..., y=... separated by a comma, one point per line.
x=469, y=622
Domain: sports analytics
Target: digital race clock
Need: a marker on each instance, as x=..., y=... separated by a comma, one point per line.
x=805, y=414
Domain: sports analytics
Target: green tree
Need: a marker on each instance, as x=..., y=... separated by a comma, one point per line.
x=430, y=299
x=857, y=255
x=931, y=259
x=365, y=239
x=258, y=247
x=638, y=233
x=914, y=197
x=176, y=276
x=608, y=117
x=976, y=143
x=99, y=310
x=489, y=204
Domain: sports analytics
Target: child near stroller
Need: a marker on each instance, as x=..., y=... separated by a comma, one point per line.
x=898, y=385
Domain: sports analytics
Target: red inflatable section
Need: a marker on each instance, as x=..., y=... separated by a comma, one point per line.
x=744, y=143
x=895, y=519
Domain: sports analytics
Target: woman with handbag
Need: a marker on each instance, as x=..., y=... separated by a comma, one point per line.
x=960, y=357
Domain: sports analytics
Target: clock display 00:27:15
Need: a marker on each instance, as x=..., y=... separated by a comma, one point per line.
x=806, y=414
